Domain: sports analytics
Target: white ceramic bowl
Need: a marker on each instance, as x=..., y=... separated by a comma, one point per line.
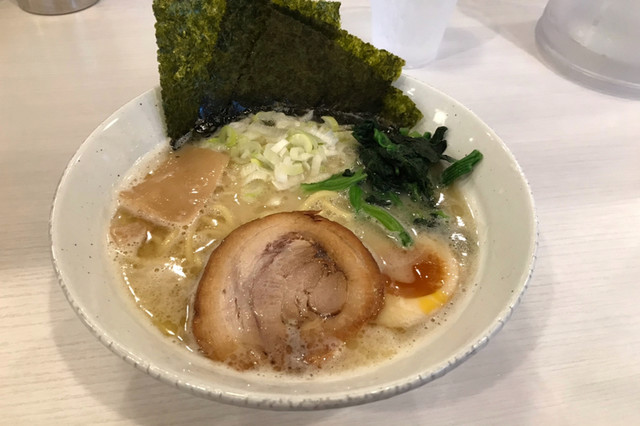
x=497, y=192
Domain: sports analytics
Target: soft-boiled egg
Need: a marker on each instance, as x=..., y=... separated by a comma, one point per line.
x=420, y=281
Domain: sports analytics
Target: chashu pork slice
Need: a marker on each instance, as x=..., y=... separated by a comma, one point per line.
x=175, y=192
x=288, y=289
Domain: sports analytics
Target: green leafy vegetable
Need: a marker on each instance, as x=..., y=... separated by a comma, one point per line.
x=389, y=222
x=384, y=141
x=384, y=199
x=432, y=220
x=381, y=215
x=461, y=167
x=398, y=163
x=355, y=197
x=401, y=161
x=440, y=214
x=337, y=182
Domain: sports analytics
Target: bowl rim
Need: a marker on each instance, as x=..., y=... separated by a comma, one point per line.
x=300, y=402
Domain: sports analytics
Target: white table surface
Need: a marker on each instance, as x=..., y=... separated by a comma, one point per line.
x=569, y=355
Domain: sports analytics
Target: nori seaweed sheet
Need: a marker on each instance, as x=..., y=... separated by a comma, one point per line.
x=319, y=14
x=333, y=79
x=255, y=53
x=185, y=33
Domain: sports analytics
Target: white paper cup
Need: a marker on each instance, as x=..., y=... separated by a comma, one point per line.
x=411, y=29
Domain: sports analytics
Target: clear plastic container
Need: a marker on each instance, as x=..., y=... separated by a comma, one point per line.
x=411, y=29
x=54, y=7
x=596, y=42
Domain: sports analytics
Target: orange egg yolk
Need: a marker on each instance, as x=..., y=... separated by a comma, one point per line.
x=428, y=276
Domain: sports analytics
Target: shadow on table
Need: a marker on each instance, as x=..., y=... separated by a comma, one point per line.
x=514, y=20
x=458, y=40
x=134, y=395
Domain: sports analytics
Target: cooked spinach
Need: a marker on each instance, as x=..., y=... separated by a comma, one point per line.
x=378, y=213
x=337, y=182
x=431, y=220
x=355, y=197
x=461, y=167
x=384, y=199
x=400, y=161
x=389, y=222
x=397, y=163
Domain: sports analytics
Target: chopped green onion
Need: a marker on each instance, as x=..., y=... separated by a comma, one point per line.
x=229, y=136
x=257, y=162
x=302, y=140
x=461, y=167
x=331, y=122
x=279, y=146
x=337, y=182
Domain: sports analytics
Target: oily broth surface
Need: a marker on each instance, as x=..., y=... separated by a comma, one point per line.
x=162, y=277
x=376, y=343
x=162, y=274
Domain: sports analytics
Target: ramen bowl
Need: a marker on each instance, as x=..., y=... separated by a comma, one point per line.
x=497, y=192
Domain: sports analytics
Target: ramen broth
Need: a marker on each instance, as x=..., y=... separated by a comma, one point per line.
x=161, y=273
